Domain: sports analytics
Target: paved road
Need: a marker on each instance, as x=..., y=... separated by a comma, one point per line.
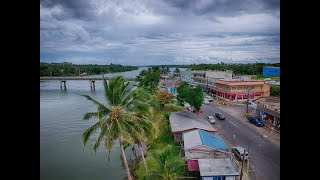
x=264, y=153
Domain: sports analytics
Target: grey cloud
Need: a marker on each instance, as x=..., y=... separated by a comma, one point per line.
x=225, y=7
x=153, y=32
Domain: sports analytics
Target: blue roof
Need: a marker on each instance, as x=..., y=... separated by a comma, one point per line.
x=212, y=140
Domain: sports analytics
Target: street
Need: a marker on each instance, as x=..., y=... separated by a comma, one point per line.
x=264, y=148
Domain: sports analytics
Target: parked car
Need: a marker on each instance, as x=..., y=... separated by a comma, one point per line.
x=256, y=121
x=211, y=119
x=220, y=116
x=239, y=153
x=209, y=98
x=206, y=102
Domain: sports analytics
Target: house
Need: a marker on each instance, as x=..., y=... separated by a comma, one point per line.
x=218, y=169
x=200, y=144
x=268, y=109
x=183, y=121
x=270, y=71
x=235, y=90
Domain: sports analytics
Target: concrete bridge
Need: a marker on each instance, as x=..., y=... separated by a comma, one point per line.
x=92, y=80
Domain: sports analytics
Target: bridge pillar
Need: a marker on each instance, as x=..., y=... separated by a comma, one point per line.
x=64, y=84
x=92, y=84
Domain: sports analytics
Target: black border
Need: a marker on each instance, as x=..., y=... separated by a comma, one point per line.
x=20, y=90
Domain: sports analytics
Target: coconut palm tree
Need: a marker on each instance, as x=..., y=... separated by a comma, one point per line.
x=169, y=166
x=116, y=118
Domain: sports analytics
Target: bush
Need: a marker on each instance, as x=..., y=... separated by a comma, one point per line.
x=275, y=90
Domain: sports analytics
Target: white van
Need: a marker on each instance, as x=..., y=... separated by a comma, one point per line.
x=209, y=98
x=238, y=153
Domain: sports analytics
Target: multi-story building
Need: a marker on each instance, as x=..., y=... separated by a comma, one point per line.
x=271, y=71
x=210, y=76
x=239, y=90
x=199, y=76
x=186, y=76
x=213, y=76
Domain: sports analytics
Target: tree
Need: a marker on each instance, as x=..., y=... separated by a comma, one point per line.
x=169, y=166
x=275, y=90
x=193, y=96
x=164, y=97
x=116, y=119
x=181, y=90
x=149, y=79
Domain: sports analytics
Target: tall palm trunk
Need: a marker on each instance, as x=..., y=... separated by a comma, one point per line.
x=142, y=154
x=125, y=159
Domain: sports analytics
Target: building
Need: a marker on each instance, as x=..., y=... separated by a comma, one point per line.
x=200, y=144
x=210, y=77
x=183, y=121
x=199, y=76
x=270, y=71
x=268, y=109
x=213, y=76
x=235, y=90
x=218, y=169
x=186, y=76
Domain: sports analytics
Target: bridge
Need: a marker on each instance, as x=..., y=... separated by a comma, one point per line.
x=92, y=80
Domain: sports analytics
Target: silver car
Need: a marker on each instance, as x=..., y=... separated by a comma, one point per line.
x=211, y=119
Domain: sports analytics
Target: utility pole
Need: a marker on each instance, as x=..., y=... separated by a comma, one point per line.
x=241, y=173
x=247, y=110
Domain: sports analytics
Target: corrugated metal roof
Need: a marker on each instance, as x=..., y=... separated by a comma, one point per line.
x=213, y=140
x=185, y=120
x=217, y=167
x=203, y=138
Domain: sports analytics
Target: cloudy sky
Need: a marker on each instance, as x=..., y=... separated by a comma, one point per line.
x=143, y=32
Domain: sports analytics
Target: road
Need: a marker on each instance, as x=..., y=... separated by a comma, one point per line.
x=264, y=151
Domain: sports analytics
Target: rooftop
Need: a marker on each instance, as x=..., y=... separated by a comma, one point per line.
x=200, y=137
x=271, y=103
x=271, y=67
x=217, y=167
x=186, y=120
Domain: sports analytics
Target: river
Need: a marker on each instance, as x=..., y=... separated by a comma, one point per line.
x=62, y=155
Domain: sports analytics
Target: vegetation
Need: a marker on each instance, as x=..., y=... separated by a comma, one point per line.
x=260, y=77
x=275, y=91
x=164, y=97
x=247, y=69
x=118, y=118
x=138, y=116
x=164, y=159
x=69, y=69
x=193, y=96
x=149, y=79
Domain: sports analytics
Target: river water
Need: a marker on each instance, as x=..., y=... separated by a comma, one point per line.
x=62, y=155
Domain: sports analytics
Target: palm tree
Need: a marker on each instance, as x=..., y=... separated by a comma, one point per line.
x=147, y=128
x=169, y=166
x=116, y=119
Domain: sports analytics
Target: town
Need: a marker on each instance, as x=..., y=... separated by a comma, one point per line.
x=236, y=133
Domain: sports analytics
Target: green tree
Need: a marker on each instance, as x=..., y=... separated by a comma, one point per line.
x=149, y=79
x=193, y=96
x=169, y=166
x=275, y=90
x=116, y=119
x=181, y=90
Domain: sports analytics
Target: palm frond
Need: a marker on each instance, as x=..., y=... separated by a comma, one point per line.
x=99, y=105
x=89, y=131
x=90, y=115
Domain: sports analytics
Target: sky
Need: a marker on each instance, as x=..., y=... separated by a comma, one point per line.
x=149, y=32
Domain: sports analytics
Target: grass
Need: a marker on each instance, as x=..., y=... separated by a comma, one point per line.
x=259, y=77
